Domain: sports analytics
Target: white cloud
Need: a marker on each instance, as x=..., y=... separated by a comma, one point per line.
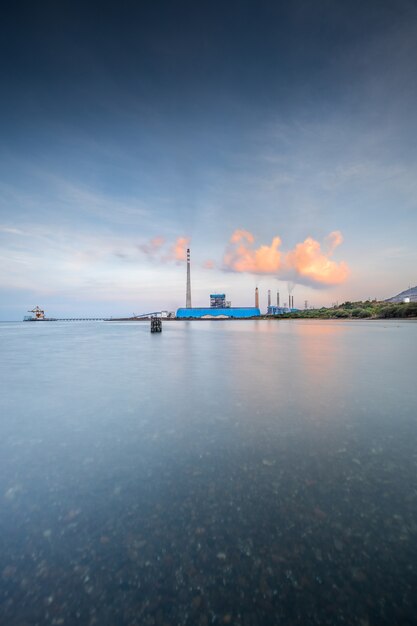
x=11, y=230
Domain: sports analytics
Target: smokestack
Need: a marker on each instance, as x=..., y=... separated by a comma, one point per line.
x=188, y=297
x=292, y=302
x=269, y=297
x=257, y=298
x=278, y=298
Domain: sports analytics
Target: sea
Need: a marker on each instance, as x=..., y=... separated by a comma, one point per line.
x=251, y=473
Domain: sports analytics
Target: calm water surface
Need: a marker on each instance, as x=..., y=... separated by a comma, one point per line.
x=247, y=473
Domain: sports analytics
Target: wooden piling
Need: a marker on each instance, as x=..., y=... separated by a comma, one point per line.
x=156, y=325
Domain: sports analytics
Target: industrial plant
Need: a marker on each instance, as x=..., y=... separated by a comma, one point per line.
x=220, y=308
x=278, y=309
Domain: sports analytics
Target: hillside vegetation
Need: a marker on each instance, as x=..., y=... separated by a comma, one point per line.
x=359, y=310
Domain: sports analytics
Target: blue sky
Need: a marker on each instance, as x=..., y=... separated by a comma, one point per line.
x=129, y=122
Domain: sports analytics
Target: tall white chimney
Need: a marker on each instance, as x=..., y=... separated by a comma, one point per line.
x=188, y=297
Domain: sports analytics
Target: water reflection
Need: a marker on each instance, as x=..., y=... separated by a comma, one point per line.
x=246, y=473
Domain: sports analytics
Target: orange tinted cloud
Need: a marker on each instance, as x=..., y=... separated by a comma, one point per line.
x=310, y=261
x=179, y=249
x=158, y=249
x=333, y=240
x=240, y=234
x=209, y=264
x=241, y=257
x=157, y=242
x=153, y=245
x=307, y=262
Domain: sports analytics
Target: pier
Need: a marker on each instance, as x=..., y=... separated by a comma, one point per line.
x=78, y=319
x=39, y=316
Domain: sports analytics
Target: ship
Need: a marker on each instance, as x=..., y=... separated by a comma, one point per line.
x=38, y=316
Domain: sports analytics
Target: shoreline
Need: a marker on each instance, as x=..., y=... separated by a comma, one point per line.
x=235, y=319
x=268, y=319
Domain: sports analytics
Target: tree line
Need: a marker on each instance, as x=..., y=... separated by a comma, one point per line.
x=370, y=309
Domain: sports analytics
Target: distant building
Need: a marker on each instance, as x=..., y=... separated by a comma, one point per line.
x=218, y=301
x=409, y=295
x=280, y=310
x=214, y=312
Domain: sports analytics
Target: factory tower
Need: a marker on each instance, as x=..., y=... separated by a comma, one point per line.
x=188, y=296
x=257, y=298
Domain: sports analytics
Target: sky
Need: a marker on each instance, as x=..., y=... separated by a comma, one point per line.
x=275, y=139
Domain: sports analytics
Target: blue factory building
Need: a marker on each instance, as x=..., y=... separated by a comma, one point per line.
x=280, y=310
x=213, y=312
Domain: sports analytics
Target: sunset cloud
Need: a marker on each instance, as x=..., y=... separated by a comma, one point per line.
x=308, y=262
x=333, y=240
x=241, y=257
x=158, y=249
x=152, y=246
x=179, y=249
x=209, y=264
x=240, y=235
